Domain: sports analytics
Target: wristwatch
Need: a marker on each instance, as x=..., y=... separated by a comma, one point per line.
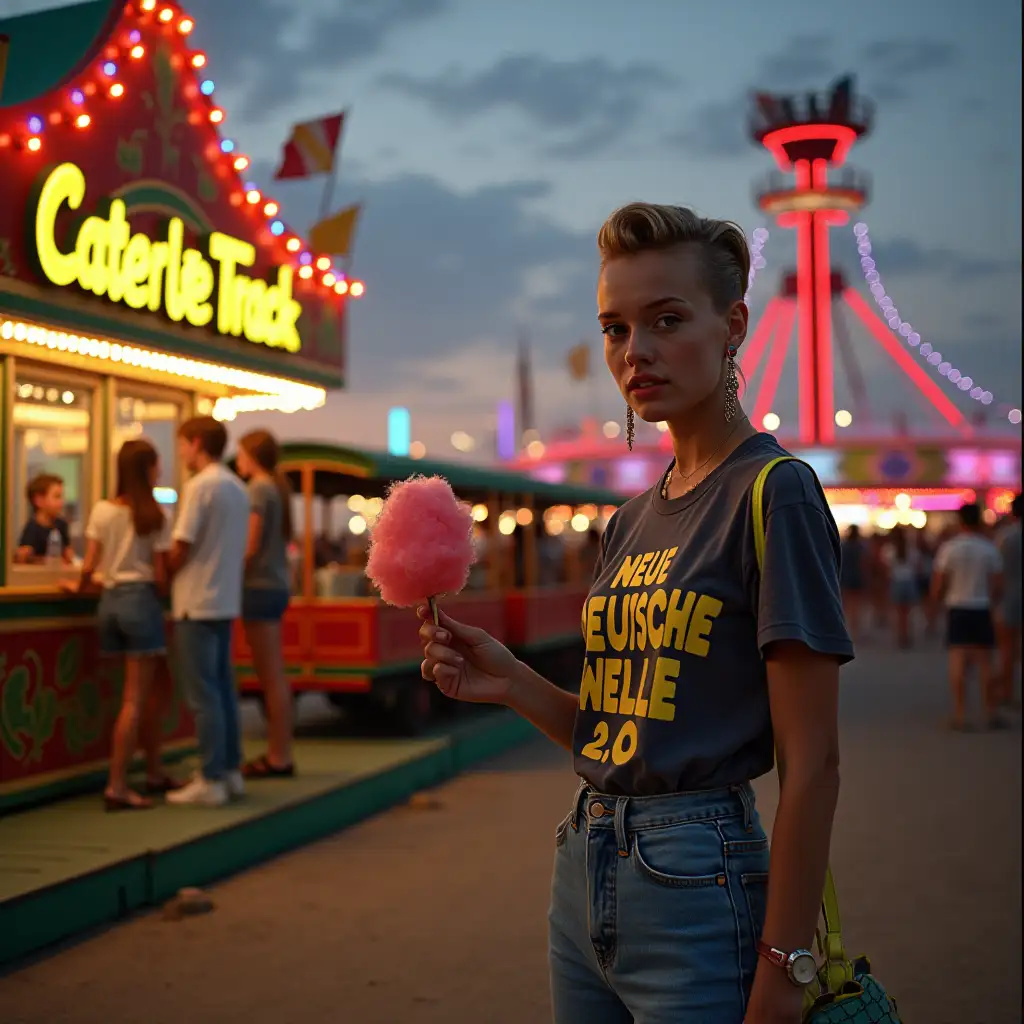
x=800, y=965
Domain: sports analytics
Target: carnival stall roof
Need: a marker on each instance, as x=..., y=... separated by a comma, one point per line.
x=145, y=243
x=339, y=470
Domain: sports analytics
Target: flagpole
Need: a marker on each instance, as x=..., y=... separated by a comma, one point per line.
x=328, y=194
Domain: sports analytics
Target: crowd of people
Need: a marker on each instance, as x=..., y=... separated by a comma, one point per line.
x=901, y=582
x=223, y=558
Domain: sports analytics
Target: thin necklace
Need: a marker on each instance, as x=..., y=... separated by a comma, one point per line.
x=693, y=472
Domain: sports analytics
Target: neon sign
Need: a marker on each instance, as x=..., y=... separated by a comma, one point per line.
x=111, y=260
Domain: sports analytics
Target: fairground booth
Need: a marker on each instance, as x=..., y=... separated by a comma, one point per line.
x=142, y=280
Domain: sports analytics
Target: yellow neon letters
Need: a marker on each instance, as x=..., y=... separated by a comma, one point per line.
x=108, y=259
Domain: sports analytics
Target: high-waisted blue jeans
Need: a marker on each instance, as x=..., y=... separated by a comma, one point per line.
x=656, y=907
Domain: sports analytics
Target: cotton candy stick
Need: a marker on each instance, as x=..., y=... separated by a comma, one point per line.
x=421, y=545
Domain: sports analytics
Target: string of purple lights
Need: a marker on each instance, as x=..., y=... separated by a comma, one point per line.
x=906, y=331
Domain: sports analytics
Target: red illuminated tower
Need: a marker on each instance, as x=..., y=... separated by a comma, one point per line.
x=809, y=138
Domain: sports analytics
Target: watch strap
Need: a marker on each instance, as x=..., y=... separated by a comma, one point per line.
x=771, y=954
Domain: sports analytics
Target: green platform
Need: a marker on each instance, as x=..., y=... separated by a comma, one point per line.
x=68, y=867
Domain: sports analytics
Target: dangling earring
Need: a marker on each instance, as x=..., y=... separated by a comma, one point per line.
x=732, y=384
x=630, y=427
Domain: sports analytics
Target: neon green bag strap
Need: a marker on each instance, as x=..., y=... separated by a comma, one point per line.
x=831, y=945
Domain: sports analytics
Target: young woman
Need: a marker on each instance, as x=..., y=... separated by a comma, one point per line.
x=265, y=595
x=128, y=539
x=699, y=667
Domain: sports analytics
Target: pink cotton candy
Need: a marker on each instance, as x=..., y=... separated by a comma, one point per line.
x=422, y=543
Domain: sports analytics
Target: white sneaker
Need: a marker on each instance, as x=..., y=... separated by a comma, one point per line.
x=235, y=783
x=205, y=792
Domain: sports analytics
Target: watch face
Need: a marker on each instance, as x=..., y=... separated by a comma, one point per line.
x=803, y=968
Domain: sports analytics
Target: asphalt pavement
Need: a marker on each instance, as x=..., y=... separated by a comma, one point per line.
x=435, y=912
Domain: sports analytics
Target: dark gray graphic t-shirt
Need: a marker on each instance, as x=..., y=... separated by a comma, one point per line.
x=674, y=695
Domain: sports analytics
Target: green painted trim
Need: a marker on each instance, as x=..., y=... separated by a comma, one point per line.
x=59, y=912
x=143, y=330
x=46, y=608
x=367, y=465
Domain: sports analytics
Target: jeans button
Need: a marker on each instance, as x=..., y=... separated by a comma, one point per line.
x=597, y=809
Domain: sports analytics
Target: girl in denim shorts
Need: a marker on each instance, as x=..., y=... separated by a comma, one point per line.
x=265, y=593
x=708, y=647
x=128, y=538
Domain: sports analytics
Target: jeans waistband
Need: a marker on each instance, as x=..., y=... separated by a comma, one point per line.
x=627, y=814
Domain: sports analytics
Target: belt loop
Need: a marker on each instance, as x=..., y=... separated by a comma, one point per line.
x=746, y=798
x=620, y=826
x=574, y=818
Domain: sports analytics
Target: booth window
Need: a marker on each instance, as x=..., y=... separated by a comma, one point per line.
x=52, y=420
x=155, y=416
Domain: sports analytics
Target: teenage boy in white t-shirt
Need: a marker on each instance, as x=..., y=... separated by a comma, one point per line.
x=207, y=559
x=968, y=577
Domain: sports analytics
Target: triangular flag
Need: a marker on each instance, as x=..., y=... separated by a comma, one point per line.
x=311, y=148
x=333, y=235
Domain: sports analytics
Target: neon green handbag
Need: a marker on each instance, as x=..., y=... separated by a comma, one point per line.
x=846, y=991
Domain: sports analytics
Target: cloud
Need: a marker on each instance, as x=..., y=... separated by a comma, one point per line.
x=717, y=128
x=271, y=52
x=580, y=103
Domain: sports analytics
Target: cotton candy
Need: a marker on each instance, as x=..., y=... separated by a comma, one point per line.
x=422, y=543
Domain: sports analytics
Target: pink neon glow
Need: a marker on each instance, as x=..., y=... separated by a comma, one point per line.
x=750, y=354
x=805, y=334
x=823, y=295
x=819, y=174
x=906, y=363
x=775, y=141
x=776, y=361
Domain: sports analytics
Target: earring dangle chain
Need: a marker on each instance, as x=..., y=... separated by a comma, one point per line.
x=630, y=427
x=732, y=385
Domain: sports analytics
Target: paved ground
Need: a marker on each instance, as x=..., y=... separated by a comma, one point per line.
x=438, y=914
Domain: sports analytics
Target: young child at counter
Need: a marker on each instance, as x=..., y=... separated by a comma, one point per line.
x=46, y=534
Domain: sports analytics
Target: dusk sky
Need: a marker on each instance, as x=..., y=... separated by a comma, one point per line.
x=489, y=139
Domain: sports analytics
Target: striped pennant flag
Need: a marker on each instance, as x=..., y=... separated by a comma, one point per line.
x=311, y=148
x=334, y=234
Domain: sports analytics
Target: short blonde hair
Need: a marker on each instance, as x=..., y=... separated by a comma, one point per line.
x=646, y=227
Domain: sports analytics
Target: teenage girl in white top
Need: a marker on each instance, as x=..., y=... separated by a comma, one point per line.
x=128, y=539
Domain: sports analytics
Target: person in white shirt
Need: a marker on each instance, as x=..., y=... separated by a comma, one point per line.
x=967, y=577
x=208, y=559
x=128, y=539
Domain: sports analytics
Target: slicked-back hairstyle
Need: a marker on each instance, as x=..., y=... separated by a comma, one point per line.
x=646, y=227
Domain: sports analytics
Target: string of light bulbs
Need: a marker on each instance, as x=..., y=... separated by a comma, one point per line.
x=758, y=240
x=905, y=330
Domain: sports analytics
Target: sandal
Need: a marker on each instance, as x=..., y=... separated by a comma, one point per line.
x=261, y=768
x=131, y=801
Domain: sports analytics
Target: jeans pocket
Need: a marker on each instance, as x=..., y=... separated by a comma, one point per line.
x=686, y=856
x=755, y=893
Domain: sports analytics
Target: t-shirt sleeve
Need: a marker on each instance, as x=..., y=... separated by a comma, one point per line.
x=186, y=528
x=261, y=494
x=94, y=527
x=27, y=538
x=64, y=531
x=799, y=596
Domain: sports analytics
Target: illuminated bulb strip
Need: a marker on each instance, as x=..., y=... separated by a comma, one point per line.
x=757, y=262
x=890, y=314
x=107, y=67
x=271, y=392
